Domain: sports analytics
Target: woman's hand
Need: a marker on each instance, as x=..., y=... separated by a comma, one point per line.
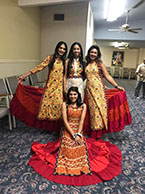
x=120, y=88
x=21, y=79
x=76, y=141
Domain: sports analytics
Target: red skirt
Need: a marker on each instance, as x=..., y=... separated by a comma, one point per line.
x=104, y=157
x=118, y=114
x=25, y=105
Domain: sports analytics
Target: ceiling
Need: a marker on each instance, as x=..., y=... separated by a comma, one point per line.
x=136, y=18
x=101, y=34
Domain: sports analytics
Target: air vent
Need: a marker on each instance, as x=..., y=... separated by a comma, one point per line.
x=58, y=17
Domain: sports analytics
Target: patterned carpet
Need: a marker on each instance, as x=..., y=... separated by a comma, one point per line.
x=19, y=178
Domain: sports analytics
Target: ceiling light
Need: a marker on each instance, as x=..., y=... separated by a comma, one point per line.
x=120, y=45
x=113, y=9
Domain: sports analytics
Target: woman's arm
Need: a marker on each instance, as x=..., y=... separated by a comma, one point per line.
x=81, y=123
x=40, y=67
x=109, y=78
x=64, y=116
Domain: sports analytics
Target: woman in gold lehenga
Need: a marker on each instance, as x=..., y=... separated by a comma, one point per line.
x=95, y=89
x=73, y=159
x=52, y=98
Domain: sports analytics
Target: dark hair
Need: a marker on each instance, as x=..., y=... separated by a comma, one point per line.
x=98, y=59
x=79, y=100
x=54, y=56
x=71, y=56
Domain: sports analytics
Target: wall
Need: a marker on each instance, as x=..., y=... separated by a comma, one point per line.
x=72, y=29
x=19, y=38
x=131, y=56
x=90, y=30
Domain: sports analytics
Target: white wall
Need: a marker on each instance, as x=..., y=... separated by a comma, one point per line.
x=72, y=29
x=90, y=29
x=19, y=38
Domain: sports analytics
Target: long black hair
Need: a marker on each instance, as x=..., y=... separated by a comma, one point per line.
x=55, y=55
x=98, y=59
x=71, y=56
x=79, y=100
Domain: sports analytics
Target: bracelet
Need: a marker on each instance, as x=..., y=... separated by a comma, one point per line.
x=116, y=86
x=77, y=134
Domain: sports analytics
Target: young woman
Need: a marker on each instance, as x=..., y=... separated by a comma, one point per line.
x=75, y=71
x=73, y=159
x=52, y=94
x=96, y=95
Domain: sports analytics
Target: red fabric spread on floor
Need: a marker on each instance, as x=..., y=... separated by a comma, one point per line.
x=105, y=162
x=25, y=104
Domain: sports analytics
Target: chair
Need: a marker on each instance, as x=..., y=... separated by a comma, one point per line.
x=12, y=83
x=4, y=106
x=116, y=72
x=35, y=81
x=132, y=73
x=125, y=73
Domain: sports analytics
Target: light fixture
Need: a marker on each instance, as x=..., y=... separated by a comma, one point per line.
x=121, y=45
x=113, y=9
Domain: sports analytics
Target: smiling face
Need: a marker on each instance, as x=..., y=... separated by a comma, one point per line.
x=73, y=96
x=76, y=51
x=93, y=54
x=61, y=50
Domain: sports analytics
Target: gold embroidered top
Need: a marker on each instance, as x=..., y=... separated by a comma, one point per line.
x=76, y=69
x=52, y=99
x=96, y=98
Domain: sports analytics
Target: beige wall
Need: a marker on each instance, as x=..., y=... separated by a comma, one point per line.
x=19, y=38
x=72, y=29
x=131, y=56
x=141, y=55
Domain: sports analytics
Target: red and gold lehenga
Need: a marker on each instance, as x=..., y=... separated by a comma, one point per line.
x=86, y=164
x=108, y=111
x=37, y=107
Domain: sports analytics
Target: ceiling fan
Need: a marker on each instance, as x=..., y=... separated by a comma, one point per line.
x=125, y=27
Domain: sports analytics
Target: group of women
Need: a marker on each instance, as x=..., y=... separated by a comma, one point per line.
x=73, y=159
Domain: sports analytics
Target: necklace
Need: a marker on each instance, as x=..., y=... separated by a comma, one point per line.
x=74, y=106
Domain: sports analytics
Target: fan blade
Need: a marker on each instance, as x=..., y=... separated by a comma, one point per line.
x=130, y=30
x=135, y=29
x=138, y=4
x=114, y=30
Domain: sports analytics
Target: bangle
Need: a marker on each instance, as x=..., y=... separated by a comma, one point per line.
x=116, y=86
x=77, y=134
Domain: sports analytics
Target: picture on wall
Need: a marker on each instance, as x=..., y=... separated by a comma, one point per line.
x=118, y=58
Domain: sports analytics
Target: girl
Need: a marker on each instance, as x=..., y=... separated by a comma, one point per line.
x=75, y=70
x=42, y=104
x=96, y=96
x=73, y=159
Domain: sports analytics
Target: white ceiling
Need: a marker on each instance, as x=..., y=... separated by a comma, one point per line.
x=136, y=19
x=101, y=33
